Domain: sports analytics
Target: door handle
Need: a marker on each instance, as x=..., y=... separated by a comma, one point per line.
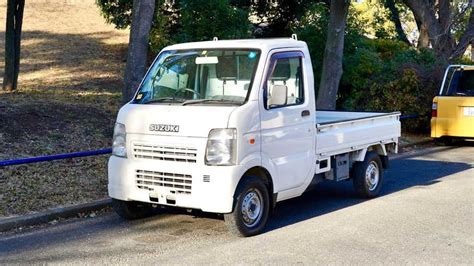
x=305, y=113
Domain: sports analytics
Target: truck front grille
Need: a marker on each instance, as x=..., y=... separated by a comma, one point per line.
x=176, y=183
x=164, y=153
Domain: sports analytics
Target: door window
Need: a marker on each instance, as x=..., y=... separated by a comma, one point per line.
x=286, y=74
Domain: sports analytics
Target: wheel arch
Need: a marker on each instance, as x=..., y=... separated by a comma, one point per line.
x=380, y=149
x=264, y=174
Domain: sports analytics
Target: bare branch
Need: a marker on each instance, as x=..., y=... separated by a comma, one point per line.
x=466, y=38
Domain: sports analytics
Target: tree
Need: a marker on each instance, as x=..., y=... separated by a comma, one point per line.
x=201, y=20
x=333, y=52
x=142, y=17
x=277, y=16
x=13, y=43
x=395, y=18
x=440, y=18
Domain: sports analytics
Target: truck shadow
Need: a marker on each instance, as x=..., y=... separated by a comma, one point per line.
x=330, y=196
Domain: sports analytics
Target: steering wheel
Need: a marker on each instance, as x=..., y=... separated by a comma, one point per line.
x=187, y=89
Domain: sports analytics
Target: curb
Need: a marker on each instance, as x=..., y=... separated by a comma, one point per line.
x=51, y=214
x=423, y=142
x=421, y=152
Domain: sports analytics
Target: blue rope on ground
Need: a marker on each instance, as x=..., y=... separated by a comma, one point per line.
x=408, y=116
x=55, y=157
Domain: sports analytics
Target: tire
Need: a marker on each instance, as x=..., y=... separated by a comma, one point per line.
x=447, y=141
x=132, y=210
x=444, y=141
x=368, y=176
x=251, y=208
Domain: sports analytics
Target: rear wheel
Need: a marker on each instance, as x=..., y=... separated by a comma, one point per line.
x=131, y=210
x=368, y=176
x=447, y=141
x=251, y=208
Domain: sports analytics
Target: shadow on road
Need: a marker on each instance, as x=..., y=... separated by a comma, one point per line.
x=331, y=196
x=326, y=198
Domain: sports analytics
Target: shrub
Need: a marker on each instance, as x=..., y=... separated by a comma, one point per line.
x=388, y=75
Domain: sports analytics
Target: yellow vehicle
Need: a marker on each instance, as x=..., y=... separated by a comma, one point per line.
x=452, y=114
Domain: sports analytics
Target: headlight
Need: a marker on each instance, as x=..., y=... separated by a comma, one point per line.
x=221, y=147
x=119, y=147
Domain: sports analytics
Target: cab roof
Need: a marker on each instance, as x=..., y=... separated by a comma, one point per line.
x=463, y=67
x=262, y=44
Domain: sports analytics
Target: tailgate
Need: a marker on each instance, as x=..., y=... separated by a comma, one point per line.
x=455, y=116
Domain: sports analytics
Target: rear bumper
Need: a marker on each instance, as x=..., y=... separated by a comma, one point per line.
x=212, y=187
x=445, y=127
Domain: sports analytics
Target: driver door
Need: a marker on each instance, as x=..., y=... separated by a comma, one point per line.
x=287, y=129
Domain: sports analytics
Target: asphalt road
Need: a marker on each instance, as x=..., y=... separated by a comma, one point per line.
x=425, y=216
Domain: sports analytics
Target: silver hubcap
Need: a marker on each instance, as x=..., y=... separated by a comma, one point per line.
x=252, y=207
x=372, y=176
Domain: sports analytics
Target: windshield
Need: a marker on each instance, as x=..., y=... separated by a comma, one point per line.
x=215, y=76
x=461, y=83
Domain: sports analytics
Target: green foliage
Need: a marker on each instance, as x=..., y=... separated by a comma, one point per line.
x=184, y=20
x=165, y=25
x=312, y=28
x=203, y=19
x=117, y=12
x=280, y=17
x=376, y=18
x=389, y=75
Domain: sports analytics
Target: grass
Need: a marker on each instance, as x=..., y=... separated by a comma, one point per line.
x=68, y=95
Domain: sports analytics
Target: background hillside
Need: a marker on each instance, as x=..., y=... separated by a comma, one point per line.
x=69, y=92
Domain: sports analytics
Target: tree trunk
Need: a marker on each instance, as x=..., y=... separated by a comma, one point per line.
x=332, y=61
x=423, y=38
x=13, y=43
x=438, y=26
x=142, y=18
x=395, y=17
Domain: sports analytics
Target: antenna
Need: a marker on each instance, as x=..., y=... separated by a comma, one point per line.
x=294, y=36
x=215, y=39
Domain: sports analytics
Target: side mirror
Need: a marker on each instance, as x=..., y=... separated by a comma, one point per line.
x=278, y=96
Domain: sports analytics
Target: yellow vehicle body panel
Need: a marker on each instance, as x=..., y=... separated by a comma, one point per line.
x=455, y=117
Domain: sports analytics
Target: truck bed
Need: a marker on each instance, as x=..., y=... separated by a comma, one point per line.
x=339, y=132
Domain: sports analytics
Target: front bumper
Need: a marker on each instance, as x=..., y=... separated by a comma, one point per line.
x=212, y=187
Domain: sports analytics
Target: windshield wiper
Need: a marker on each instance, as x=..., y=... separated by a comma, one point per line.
x=209, y=101
x=166, y=100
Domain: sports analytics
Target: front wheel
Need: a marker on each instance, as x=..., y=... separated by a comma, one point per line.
x=368, y=176
x=251, y=208
x=131, y=210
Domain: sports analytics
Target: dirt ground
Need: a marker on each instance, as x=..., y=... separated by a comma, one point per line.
x=68, y=96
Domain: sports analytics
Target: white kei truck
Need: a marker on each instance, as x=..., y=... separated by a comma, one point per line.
x=231, y=127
